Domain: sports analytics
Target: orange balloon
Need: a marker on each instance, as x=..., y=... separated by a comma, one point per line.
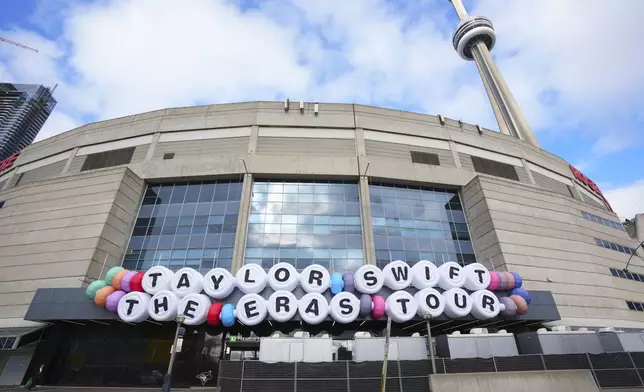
x=522, y=305
x=116, y=280
x=102, y=294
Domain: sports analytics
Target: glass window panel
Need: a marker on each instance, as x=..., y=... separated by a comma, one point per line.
x=421, y=223
x=181, y=230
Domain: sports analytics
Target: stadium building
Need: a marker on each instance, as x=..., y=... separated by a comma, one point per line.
x=339, y=185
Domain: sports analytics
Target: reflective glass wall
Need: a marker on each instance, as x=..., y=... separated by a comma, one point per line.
x=305, y=222
x=415, y=223
x=189, y=224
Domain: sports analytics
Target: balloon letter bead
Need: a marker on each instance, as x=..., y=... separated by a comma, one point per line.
x=113, y=299
x=315, y=279
x=430, y=302
x=477, y=277
x=282, y=305
x=133, y=307
x=195, y=308
x=101, y=295
x=251, y=309
x=251, y=278
x=163, y=306
x=93, y=287
x=345, y=307
x=186, y=281
x=424, y=274
x=227, y=315
x=451, y=276
x=213, y=314
x=379, y=307
x=485, y=305
x=337, y=284
x=401, y=306
x=156, y=279
x=127, y=279
x=397, y=275
x=283, y=276
x=218, y=283
x=109, y=275
x=313, y=308
x=368, y=279
x=457, y=303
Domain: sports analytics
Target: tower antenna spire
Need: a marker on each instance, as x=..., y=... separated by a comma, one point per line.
x=473, y=39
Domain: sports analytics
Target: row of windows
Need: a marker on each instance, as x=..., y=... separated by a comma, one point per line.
x=613, y=246
x=632, y=305
x=301, y=222
x=626, y=274
x=605, y=222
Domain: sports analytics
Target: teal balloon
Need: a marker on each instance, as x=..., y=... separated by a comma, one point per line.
x=110, y=274
x=94, y=287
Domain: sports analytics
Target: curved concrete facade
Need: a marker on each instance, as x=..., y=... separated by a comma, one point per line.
x=64, y=222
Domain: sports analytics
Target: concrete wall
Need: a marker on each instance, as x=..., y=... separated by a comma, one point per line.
x=531, y=226
x=552, y=381
x=543, y=236
x=55, y=233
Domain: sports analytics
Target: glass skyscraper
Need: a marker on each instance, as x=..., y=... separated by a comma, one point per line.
x=24, y=108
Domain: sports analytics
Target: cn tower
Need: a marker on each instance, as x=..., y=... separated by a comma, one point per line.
x=473, y=39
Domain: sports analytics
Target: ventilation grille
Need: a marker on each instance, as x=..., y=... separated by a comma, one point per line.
x=425, y=157
x=494, y=168
x=110, y=158
x=551, y=184
x=168, y=155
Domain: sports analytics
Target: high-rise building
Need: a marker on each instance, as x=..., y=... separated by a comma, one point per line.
x=24, y=108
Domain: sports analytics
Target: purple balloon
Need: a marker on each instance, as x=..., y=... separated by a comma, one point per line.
x=113, y=299
x=125, y=282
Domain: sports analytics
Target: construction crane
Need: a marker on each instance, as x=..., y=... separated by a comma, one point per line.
x=18, y=44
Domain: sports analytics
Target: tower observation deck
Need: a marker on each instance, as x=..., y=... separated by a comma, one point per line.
x=473, y=39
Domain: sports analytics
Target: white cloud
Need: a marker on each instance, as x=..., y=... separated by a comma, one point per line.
x=627, y=200
x=58, y=122
x=570, y=63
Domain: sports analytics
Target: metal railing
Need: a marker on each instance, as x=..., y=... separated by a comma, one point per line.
x=610, y=370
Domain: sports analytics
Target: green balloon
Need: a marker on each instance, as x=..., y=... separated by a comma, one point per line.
x=110, y=274
x=94, y=287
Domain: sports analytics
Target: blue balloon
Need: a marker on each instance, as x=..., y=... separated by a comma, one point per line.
x=517, y=279
x=337, y=284
x=523, y=294
x=227, y=315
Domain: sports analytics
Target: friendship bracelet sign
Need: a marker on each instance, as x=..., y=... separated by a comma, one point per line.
x=161, y=294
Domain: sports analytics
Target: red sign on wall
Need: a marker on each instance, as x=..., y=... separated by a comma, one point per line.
x=589, y=183
x=8, y=163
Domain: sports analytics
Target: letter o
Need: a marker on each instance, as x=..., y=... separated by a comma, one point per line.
x=423, y=308
x=289, y=284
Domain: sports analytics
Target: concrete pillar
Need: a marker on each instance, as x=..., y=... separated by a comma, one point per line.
x=242, y=223
x=367, y=225
x=526, y=166
x=8, y=183
x=457, y=159
x=639, y=227
x=153, y=146
x=361, y=149
x=69, y=160
x=252, y=140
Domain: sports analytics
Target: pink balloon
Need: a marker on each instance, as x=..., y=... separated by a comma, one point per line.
x=113, y=299
x=125, y=282
x=495, y=281
x=378, y=307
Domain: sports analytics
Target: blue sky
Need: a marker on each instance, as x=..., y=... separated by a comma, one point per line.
x=570, y=63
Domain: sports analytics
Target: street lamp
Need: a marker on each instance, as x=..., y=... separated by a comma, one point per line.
x=167, y=380
x=427, y=317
